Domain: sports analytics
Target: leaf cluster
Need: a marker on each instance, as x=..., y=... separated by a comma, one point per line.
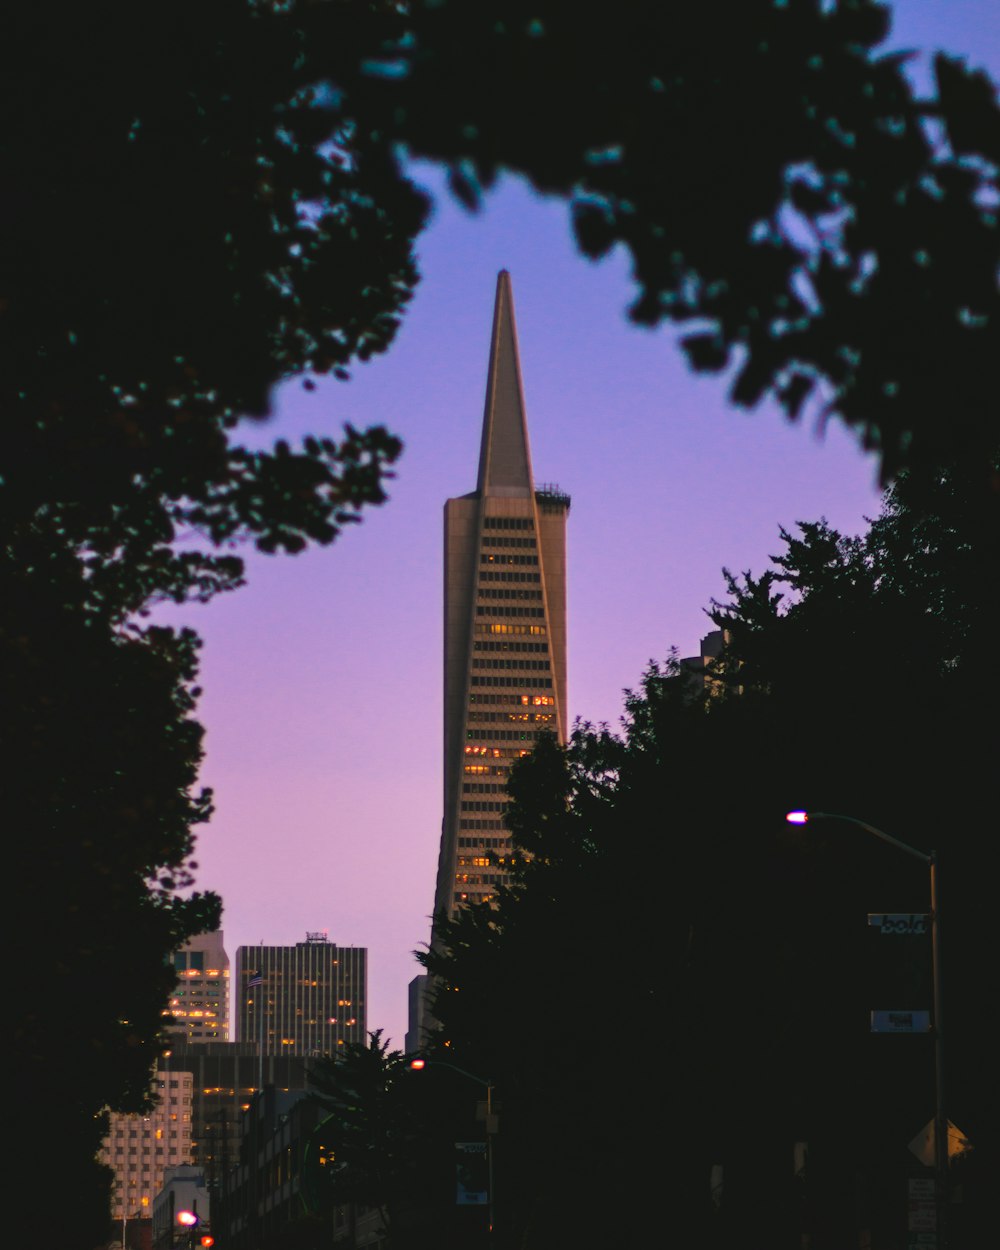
x=387, y=1133
x=817, y=230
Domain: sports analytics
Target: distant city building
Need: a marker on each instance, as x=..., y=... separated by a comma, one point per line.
x=696, y=666
x=140, y=1148
x=697, y=669
x=198, y=1008
x=226, y=1078
x=504, y=629
x=282, y=1180
x=306, y=999
x=416, y=1016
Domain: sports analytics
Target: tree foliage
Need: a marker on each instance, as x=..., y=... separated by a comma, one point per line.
x=388, y=1134
x=200, y=202
x=816, y=229
x=674, y=965
x=174, y=244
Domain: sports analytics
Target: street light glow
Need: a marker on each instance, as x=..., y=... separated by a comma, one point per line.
x=187, y=1218
x=797, y=818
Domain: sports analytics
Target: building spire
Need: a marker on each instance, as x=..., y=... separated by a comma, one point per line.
x=504, y=457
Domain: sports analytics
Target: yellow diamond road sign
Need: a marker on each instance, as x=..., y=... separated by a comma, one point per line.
x=923, y=1144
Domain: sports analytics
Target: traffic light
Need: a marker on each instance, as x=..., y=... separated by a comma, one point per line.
x=208, y=1240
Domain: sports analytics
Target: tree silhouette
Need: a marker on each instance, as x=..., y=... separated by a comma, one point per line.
x=205, y=201
x=672, y=953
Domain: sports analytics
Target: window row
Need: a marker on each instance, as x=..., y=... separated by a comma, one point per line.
x=497, y=753
x=510, y=700
x=531, y=666
x=478, y=878
x=480, y=822
x=477, y=717
x=541, y=648
x=491, y=575
x=518, y=610
x=508, y=523
x=497, y=844
x=486, y=770
x=483, y=787
x=537, y=631
x=483, y=805
x=544, y=682
x=501, y=592
x=495, y=540
x=502, y=735
x=527, y=561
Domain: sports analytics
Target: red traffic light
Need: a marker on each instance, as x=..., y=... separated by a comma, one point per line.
x=208, y=1240
x=417, y=1064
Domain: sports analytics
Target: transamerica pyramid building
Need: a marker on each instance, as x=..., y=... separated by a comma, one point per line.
x=504, y=629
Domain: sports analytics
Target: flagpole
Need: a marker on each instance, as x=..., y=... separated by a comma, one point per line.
x=260, y=1030
x=260, y=1045
x=255, y=982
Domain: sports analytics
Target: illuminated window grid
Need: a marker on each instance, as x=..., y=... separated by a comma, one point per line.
x=138, y=1149
x=313, y=996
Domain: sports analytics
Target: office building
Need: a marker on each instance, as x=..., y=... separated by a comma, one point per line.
x=504, y=629
x=198, y=1009
x=140, y=1148
x=417, y=1020
x=306, y=999
x=226, y=1075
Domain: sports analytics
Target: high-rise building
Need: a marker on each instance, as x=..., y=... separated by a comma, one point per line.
x=306, y=999
x=139, y=1148
x=504, y=629
x=198, y=1009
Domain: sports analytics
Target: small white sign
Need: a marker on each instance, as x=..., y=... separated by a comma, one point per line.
x=901, y=1022
x=921, y=1217
x=909, y=924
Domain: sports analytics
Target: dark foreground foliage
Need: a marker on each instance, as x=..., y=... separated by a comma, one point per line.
x=679, y=980
x=202, y=201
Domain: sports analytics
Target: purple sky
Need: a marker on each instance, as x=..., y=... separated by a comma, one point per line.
x=323, y=677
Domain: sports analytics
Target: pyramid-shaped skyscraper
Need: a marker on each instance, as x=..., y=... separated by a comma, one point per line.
x=504, y=628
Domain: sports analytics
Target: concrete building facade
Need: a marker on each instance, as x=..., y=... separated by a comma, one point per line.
x=198, y=1010
x=140, y=1148
x=504, y=629
x=306, y=999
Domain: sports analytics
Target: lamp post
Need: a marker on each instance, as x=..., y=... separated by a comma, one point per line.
x=940, y=1117
x=417, y=1065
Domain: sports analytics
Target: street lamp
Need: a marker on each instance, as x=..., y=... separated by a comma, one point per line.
x=417, y=1065
x=940, y=1118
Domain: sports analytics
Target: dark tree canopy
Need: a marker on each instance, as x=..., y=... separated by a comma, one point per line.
x=812, y=226
x=173, y=246
x=201, y=201
x=672, y=954
x=208, y=202
x=388, y=1132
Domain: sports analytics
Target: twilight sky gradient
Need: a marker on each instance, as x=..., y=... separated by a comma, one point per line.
x=323, y=676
